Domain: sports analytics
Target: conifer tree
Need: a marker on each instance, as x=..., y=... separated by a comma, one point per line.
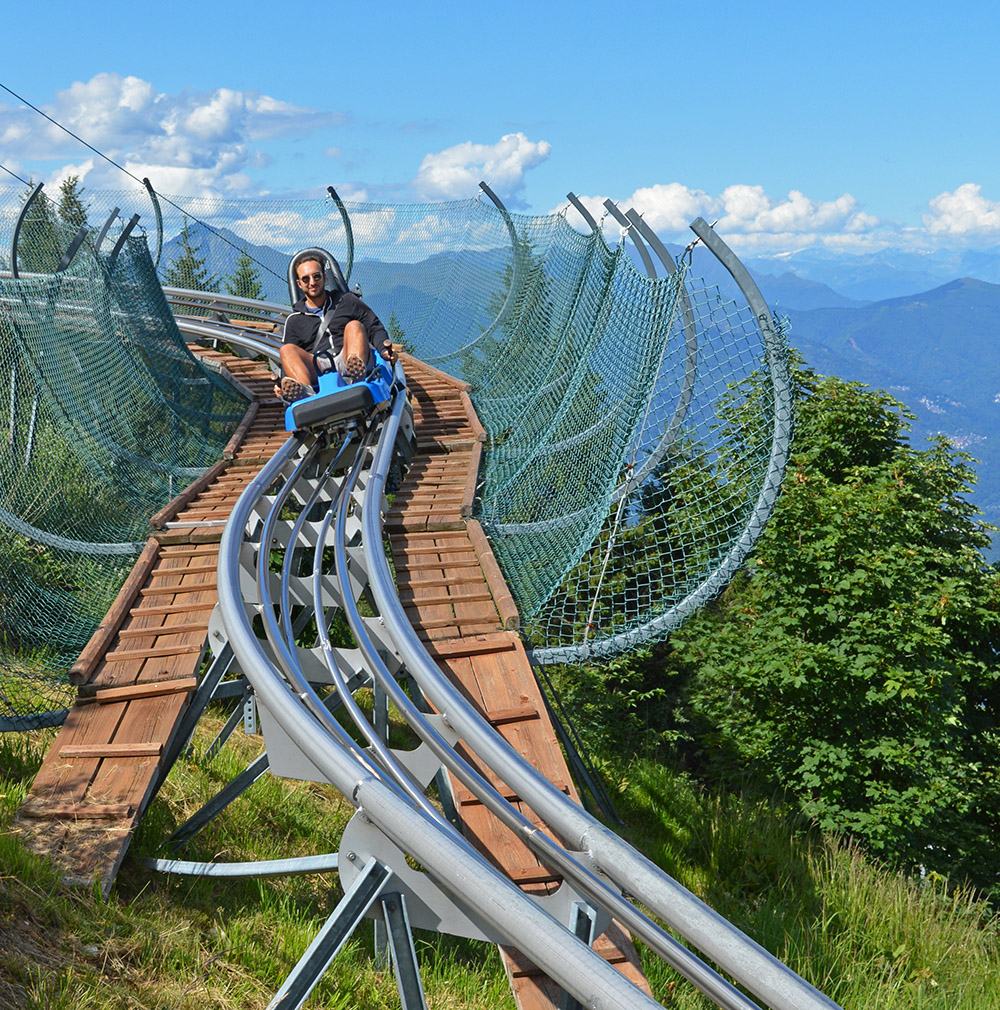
x=188, y=270
x=244, y=282
x=72, y=209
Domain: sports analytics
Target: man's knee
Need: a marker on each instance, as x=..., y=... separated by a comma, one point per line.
x=354, y=332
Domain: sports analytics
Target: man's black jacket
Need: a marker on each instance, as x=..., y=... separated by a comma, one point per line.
x=302, y=328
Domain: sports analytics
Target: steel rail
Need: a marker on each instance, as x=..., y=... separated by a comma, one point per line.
x=457, y=869
x=215, y=299
x=284, y=649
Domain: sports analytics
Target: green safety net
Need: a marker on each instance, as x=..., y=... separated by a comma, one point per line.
x=104, y=417
x=636, y=427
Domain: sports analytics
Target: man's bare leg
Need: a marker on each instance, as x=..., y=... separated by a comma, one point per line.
x=356, y=353
x=298, y=365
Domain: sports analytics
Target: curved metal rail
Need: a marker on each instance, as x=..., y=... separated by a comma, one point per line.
x=393, y=816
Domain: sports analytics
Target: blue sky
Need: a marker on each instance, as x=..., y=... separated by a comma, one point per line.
x=857, y=126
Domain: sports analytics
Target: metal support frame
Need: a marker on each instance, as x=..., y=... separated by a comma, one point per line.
x=239, y=785
x=158, y=215
x=17, y=228
x=582, y=922
x=206, y=691
x=396, y=922
x=344, y=919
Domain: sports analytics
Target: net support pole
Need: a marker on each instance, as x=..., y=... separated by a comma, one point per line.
x=582, y=211
x=348, y=230
x=647, y=261
x=17, y=228
x=158, y=214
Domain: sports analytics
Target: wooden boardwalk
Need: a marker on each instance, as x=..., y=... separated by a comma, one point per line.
x=137, y=673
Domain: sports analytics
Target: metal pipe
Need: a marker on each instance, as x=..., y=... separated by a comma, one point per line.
x=743, y=958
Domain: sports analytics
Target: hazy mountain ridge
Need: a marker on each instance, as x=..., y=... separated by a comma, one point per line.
x=936, y=352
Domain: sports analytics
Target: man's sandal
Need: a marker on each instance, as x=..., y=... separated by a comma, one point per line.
x=292, y=390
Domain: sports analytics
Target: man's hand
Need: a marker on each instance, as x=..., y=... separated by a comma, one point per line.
x=388, y=351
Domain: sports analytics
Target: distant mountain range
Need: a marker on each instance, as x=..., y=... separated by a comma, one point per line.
x=891, y=273
x=938, y=352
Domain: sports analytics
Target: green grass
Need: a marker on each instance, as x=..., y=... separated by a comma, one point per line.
x=868, y=937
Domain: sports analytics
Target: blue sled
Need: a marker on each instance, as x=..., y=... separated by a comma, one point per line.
x=339, y=401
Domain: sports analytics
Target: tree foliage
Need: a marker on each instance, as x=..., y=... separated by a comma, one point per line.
x=853, y=662
x=188, y=269
x=244, y=282
x=72, y=209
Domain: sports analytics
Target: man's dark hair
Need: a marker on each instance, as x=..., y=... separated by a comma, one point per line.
x=307, y=257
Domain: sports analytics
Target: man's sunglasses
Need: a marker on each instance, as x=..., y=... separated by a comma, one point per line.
x=305, y=278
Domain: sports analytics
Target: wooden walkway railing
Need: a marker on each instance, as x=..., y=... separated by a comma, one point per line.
x=138, y=671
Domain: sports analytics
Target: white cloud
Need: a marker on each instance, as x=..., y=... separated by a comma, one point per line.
x=455, y=172
x=964, y=212
x=748, y=218
x=189, y=143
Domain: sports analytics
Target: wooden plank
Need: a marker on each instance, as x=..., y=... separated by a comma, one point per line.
x=108, y=750
x=173, y=507
x=150, y=689
x=241, y=431
x=477, y=429
x=506, y=606
x=158, y=652
x=159, y=630
x=469, y=647
x=519, y=713
x=83, y=669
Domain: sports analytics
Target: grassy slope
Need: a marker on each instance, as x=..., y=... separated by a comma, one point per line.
x=867, y=937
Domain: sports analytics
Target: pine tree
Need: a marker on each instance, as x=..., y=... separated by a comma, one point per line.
x=188, y=270
x=72, y=209
x=244, y=282
x=39, y=245
x=396, y=333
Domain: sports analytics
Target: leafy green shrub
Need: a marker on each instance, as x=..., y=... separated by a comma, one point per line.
x=853, y=662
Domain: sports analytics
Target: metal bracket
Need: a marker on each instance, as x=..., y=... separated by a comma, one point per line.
x=640, y=247
x=344, y=919
x=582, y=922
